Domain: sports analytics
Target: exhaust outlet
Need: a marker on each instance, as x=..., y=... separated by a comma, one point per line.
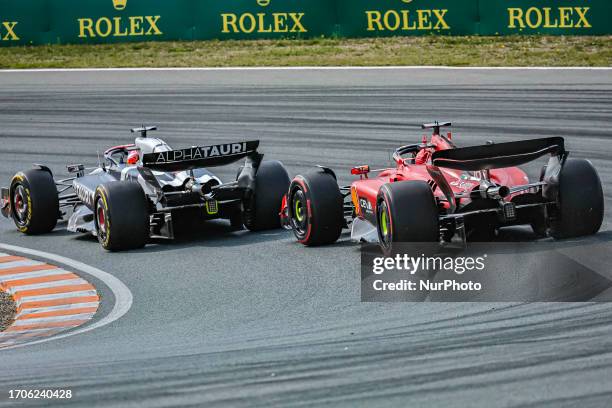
x=497, y=192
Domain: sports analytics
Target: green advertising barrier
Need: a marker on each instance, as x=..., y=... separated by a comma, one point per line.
x=558, y=17
x=247, y=19
x=367, y=18
x=95, y=21
x=108, y=21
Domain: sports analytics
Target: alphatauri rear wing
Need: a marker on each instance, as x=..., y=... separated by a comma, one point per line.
x=199, y=156
x=500, y=155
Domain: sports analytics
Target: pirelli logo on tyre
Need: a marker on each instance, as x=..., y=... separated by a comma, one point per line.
x=129, y=26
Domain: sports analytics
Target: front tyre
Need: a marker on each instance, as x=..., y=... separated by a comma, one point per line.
x=121, y=216
x=580, y=207
x=315, y=208
x=34, y=202
x=406, y=212
x=262, y=208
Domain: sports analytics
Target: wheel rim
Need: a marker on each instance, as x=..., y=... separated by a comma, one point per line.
x=299, y=213
x=299, y=210
x=20, y=204
x=384, y=224
x=102, y=220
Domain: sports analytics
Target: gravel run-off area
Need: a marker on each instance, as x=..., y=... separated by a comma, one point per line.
x=7, y=310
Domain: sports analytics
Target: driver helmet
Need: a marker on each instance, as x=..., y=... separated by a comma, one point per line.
x=422, y=157
x=133, y=157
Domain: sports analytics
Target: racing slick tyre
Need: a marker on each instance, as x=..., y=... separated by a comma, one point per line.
x=262, y=209
x=580, y=205
x=315, y=208
x=121, y=215
x=539, y=227
x=406, y=211
x=34, y=201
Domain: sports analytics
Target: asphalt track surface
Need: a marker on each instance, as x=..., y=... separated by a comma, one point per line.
x=243, y=319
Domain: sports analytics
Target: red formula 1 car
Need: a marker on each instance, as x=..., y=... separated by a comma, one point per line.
x=437, y=191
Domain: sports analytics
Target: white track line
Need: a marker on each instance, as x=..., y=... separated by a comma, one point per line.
x=337, y=68
x=44, y=309
x=67, y=318
x=27, y=333
x=123, y=296
x=55, y=296
x=14, y=264
x=35, y=274
x=45, y=285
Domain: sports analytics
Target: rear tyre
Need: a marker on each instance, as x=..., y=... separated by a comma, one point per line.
x=406, y=212
x=315, y=208
x=34, y=202
x=539, y=228
x=236, y=221
x=121, y=216
x=261, y=212
x=580, y=205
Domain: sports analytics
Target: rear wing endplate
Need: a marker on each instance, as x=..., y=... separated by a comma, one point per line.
x=199, y=156
x=495, y=156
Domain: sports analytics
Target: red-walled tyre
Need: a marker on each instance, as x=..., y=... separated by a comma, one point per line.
x=315, y=208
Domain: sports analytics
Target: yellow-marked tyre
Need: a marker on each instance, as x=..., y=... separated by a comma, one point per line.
x=34, y=204
x=121, y=216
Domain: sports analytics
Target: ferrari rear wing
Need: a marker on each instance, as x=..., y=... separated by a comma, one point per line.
x=495, y=156
x=199, y=157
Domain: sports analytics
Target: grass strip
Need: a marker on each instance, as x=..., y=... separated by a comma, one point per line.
x=557, y=51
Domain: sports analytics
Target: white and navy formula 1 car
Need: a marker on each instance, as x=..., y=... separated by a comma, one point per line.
x=140, y=188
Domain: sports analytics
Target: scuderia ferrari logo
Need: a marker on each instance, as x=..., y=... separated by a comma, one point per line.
x=197, y=153
x=123, y=26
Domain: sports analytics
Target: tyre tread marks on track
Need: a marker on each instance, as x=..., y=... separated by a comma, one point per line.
x=49, y=299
